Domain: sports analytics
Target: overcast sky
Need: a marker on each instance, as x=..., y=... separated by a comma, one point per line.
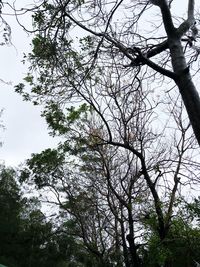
x=25, y=131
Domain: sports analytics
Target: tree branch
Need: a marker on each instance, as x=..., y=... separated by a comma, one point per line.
x=187, y=24
x=167, y=18
x=158, y=49
x=143, y=59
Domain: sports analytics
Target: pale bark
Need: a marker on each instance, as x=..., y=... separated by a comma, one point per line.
x=183, y=78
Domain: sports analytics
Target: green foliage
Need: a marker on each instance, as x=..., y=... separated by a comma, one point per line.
x=27, y=238
x=105, y=70
x=87, y=44
x=42, y=48
x=179, y=248
x=10, y=208
x=20, y=89
x=61, y=123
x=75, y=114
x=194, y=209
x=23, y=230
x=56, y=119
x=46, y=167
x=38, y=18
x=29, y=79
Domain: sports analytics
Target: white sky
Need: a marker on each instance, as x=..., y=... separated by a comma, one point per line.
x=26, y=132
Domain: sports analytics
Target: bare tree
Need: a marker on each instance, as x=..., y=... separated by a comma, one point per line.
x=117, y=185
x=116, y=29
x=131, y=129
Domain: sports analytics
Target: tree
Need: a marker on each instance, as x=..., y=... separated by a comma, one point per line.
x=10, y=208
x=108, y=41
x=135, y=145
x=183, y=243
x=112, y=191
x=27, y=238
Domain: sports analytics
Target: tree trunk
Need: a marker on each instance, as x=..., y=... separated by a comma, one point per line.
x=183, y=78
x=185, y=84
x=191, y=101
x=133, y=251
x=125, y=251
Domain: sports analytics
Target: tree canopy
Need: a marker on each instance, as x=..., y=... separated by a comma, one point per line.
x=86, y=41
x=117, y=83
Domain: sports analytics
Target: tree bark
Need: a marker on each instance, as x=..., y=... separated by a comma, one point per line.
x=183, y=78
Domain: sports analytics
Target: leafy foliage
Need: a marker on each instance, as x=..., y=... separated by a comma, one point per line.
x=27, y=238
x=127, y=157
